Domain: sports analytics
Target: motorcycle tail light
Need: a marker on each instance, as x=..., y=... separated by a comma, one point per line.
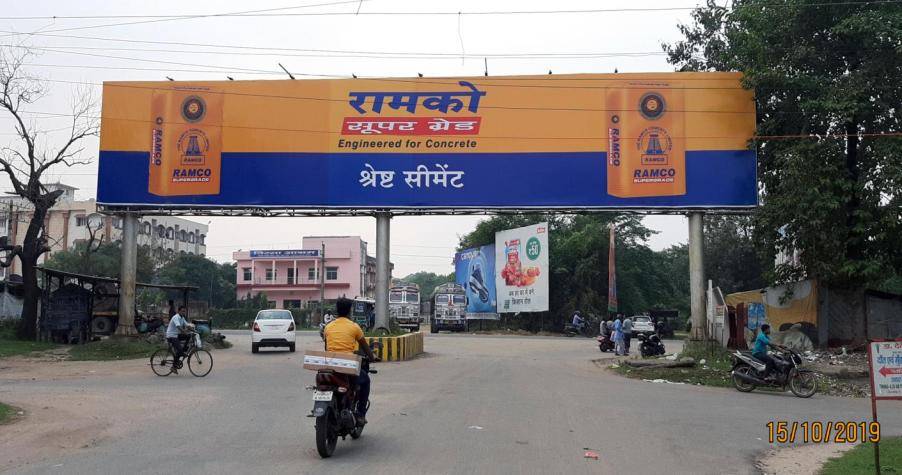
x=342, y=389
x=256, y=327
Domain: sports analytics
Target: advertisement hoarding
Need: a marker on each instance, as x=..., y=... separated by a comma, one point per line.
x=474, y=270
x=656, y=140
x=522, y=256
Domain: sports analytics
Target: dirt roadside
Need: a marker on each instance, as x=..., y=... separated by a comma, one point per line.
x=800, y=459
x=61, y=419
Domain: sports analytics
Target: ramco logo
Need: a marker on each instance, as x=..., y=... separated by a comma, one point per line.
x=157, y=146
x=614, y=140
x=190, y=172
x=655, y=173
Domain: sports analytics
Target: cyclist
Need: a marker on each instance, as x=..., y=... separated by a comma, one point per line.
x=343, y=335
x=176, y=334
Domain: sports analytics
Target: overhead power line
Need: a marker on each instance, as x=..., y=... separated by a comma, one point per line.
x=312, y=53
x=490, y=137
x=308, y=50
x=268, y=12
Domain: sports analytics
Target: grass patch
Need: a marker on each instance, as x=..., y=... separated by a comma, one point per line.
x=6, y=413
x=112, y=349
x=861, y=459
x=715, y=371
x=11, y=346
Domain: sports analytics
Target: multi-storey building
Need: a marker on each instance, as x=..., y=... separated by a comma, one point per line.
x=295, y=277
x=68, y=223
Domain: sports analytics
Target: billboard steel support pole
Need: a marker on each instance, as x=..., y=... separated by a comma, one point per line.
x=383, y=270
x=322, y=280
x=697, y=275
x=128, y=275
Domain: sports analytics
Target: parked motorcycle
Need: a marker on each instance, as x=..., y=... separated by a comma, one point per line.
x=605, y=343
x=748, y=373
x=335, y=398
x=650, y=345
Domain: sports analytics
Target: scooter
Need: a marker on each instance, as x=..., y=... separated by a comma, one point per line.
x=605, y=343
x=650, y=345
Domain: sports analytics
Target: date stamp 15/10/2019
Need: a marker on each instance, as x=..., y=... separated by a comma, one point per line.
x=816, y=432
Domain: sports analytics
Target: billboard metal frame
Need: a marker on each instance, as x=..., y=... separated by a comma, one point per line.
x=267, y=212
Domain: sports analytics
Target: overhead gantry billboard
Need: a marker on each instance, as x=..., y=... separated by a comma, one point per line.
x=571, y=142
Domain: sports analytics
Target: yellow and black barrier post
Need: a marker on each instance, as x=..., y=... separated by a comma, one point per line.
x=398, y=348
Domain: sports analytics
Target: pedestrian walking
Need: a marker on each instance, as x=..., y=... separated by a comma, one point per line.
x=618, y=337
x=627, y=328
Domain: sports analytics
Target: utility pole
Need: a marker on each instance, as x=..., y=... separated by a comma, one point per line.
x=322, y=280
x=697, y=276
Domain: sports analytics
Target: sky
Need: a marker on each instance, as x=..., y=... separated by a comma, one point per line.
x=627, y=37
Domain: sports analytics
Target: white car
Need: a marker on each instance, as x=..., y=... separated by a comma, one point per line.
x=643, y=324
x=273, y=328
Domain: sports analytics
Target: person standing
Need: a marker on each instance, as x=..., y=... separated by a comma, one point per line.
x=627, y=327
x=618, y=336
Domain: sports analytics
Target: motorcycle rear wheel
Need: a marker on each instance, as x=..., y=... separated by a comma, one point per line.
x=741, y=385
x=803, y=383
x=326, y=437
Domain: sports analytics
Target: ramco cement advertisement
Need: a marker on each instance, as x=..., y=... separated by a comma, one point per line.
x=521, y=261
x=582, y=141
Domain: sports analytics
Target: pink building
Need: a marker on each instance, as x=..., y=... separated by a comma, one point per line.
x=291, y=277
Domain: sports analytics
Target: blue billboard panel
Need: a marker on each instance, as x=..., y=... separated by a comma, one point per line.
x=474, y=270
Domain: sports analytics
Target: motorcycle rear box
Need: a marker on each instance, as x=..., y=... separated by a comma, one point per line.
x=346, y=363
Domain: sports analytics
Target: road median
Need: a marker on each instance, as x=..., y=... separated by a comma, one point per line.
x=398, y=348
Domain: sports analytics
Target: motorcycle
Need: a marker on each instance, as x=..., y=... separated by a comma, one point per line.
x=748, y=373
x=605, y=343
x=573, y=330
x=334, y=400
x=650, y=345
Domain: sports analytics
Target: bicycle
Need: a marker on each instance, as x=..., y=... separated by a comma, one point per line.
x=200, y=361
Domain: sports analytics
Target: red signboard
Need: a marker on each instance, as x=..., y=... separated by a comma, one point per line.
x=411, y=126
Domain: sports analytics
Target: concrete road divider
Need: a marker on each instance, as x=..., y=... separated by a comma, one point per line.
x=399, y=348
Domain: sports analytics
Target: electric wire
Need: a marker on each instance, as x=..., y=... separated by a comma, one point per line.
x=262, y=13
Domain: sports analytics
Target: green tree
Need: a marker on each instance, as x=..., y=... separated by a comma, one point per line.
x=732, y=260
x=428, y=282
x=826, y=80
x=102, y=260
x=215, y=282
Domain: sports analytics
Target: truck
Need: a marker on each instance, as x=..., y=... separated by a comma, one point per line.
x=404, y=305
x=449, y=308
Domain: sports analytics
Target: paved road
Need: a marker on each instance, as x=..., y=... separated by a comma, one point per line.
x=473, y=405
